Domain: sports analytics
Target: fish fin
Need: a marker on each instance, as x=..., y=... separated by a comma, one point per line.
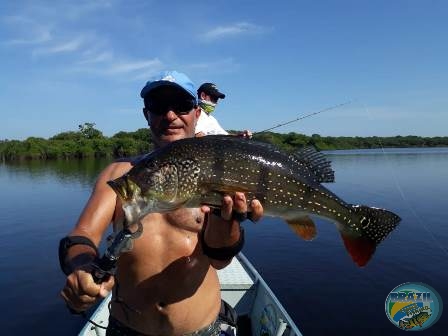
x=303, y=227
x=360, y=249
x=317, y=163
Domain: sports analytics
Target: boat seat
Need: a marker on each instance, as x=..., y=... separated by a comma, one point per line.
x=234, y=277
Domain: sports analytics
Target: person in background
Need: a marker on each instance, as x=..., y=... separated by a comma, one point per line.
x=167, y=283
x=208, y=95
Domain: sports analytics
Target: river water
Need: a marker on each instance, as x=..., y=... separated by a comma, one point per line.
x=317, y=282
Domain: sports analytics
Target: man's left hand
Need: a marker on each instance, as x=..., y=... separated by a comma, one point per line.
x=224, y=230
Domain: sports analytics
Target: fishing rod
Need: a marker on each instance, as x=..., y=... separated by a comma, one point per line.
x=306, y=116
x=105, y=267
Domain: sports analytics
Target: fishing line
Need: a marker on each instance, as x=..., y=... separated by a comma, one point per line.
x=405, y=200
x=306, y=116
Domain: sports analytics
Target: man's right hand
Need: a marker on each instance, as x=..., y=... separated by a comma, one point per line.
x=81, y=292
x=245, y=134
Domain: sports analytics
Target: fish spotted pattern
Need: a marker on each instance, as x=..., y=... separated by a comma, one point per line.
x=198, y=171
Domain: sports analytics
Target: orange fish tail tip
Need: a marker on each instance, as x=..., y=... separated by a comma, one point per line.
x=360, y=249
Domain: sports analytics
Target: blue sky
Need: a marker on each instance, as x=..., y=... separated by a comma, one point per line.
x=64, y=63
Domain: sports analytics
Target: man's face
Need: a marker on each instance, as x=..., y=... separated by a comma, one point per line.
x=171, y=113
x=209, y=98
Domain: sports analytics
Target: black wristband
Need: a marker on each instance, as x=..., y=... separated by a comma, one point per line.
x=65, y=244
x=223, y=253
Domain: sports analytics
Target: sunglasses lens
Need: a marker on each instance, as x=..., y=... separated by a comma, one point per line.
x=184, y=106
x=181, y=106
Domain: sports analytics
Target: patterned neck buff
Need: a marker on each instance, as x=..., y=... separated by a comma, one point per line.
x=207, y=106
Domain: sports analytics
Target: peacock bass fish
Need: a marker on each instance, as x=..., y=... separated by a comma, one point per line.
x=414, y=321
x=199, y=171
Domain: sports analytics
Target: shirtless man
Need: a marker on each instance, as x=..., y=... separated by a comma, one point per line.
x=166, y=285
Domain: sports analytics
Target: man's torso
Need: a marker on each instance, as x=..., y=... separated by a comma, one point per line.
x=208, y=125
x=165, y=284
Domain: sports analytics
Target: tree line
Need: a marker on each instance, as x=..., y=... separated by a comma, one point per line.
x=85, y=143
x=291, y=141
x=89, y=142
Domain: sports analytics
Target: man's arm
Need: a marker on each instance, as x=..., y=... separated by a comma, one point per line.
x=80, y=291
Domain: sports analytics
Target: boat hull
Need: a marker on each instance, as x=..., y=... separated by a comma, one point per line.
x=259, y=311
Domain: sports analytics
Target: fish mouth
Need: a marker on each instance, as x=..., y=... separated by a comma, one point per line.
x=118, y=188
x=124, y=187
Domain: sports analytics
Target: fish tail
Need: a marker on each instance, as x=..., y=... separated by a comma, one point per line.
x=372, y=226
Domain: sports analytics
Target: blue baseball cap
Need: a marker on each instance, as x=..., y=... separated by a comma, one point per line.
x=172, y=78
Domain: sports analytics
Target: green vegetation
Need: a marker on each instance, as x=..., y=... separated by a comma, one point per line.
x=86, y=142
x=90, y=142
x=291, y=141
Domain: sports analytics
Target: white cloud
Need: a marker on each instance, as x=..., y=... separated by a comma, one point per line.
x=38, y=36
x=79, y=9
x=99, y=57
x=61, y=11
x=126, y=67
x=237, y=29
x=225, y=65
x=107, y=66
x=63, y=47
x=48, y=31
x=28, y=31
x=148, y=73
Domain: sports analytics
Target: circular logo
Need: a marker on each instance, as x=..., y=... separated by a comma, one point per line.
x=413, y=306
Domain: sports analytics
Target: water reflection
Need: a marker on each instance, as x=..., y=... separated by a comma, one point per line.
x=41, y=201
x=382, y=151
x=83, y=171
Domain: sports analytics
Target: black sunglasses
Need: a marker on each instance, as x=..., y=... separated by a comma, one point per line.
x=178, y=106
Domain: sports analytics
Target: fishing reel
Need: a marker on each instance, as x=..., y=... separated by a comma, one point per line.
x=104, y=267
